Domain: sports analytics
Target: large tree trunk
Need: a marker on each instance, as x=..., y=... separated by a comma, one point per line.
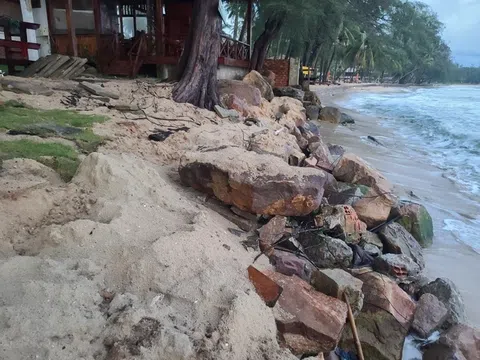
x=272, y=28
x=198, y=65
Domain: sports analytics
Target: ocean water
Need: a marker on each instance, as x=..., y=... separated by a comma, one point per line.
x=442, y=124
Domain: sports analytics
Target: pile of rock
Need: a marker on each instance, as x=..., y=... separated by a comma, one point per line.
x=332, y=228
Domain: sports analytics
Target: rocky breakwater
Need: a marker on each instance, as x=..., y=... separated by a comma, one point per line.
x=336, y=236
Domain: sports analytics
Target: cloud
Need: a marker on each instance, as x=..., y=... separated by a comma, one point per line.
x=462, y=26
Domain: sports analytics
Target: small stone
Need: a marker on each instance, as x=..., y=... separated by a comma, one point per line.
x=430, y=315
x=226, y=114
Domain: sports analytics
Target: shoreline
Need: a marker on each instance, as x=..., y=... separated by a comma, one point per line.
x=447, y=257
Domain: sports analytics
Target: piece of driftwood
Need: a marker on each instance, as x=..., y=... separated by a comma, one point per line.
x=351, y=320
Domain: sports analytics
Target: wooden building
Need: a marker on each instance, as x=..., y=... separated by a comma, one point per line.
x=123, y=35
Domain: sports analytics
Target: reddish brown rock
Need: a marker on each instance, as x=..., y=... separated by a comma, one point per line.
x=384, y=321
x=233, y=102
x=341, y=221
x=381, y=292
x=460, y=342
x=260, y=184
x=255, y=79
x=241, y=90
x=374, y=208
x=271, y=233
x=430, y=315
x=265, y=287
x=309, y=322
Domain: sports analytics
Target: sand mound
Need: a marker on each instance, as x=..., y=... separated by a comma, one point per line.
x=124, y=263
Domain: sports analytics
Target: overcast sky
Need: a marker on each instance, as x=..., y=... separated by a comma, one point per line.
x=462, y=28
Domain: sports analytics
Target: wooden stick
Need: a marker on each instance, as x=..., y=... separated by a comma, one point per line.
x=351, y=320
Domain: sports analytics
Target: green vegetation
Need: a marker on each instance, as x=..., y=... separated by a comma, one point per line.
x=70, y=125
x=395, y=40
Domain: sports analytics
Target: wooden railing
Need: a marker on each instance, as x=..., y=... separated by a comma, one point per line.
x=233, y=49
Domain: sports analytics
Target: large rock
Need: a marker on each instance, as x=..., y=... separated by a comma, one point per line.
x=255, y=79
x=398, y=266
x=312, y=98
x=308, y=321
x=325, y=251
x=397, y=240
x=341, y=222
x=320, y=151
x=260, y=184
x=347, y=194
x=336, y=283
x=313, y=111
x=241, y=90
x=289, y=110
x=447, y=293
x=374, y=208
x=461, y=342
x=271, y=232
x=289, y=92
x=282, y=145
x=372, y=239
x=430, y=315
x=384, y=321
x=416, y=219
x=331, y=114
x=289, y=264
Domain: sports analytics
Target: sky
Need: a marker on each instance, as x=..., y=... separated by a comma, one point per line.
x=462, y=28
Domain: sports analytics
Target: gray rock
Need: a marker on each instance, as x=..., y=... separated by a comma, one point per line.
x=312, y=98
x=313, y=111
x=21, y=87
x=226, y=114
x=336, y=282
x=396, y=265
x=397, y=240
x=347, y=194
x=461, y=342
x=448, y=294
x=347, y=119
x=331, y=114
x=326, y=252
x=337, y=150
x=290, y=92
x=98, y=90
x=372, y=239
x=416, y=220
x=371, y=249
x=429, y=316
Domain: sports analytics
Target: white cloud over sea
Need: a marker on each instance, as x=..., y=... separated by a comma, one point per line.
x=462, y=28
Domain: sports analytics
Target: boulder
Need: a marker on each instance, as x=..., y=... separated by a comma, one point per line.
x=398, y=266
x=374, y=208
x=372, y=239
x=460, y=342
x=260, y=184
x=289, y=264
x=347, y=119
x=320, y=151
x=271, y=233
x=325, y=251
x=289, y=92
x=335, y=283
x=270, y=77
x=265, y=287
x=337, y=150
x=371, y=250
x=447, y=293
x=331, y=114
x=313, y=111
x=416, y=219
x=282, y=145
x=306, y=85
x=308, y=321
x=412, y=286
x=255, y=79
x=347, y=194
x=234, y=103
x=341, y=222
x=429, y=316
x=384, y=320
x=290, y=110
x=241, y=90
x=312, y=98
x=397, y=240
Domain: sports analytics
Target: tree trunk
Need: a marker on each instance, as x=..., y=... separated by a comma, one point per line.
x=235, y=26
x=198, y=65
x=243, y=32
x=272, y=28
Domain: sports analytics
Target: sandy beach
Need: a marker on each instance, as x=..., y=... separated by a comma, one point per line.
x=412, y=173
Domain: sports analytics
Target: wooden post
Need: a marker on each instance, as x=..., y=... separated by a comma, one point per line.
x=72, y=39
x=97, y=16
x=159, y=28
x=249, y=20
x=351, y=320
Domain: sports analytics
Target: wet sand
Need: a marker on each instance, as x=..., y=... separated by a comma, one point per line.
x=411, y=172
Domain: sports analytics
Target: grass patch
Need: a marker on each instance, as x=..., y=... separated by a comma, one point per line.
x=61, y=158
x=21, y=119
